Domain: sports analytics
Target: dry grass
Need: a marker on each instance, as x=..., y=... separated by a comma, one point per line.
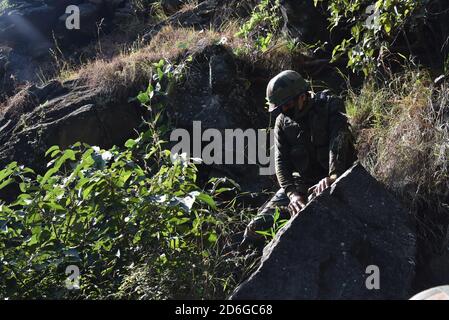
x=18, y=104
x=121, y=70
x=132, y=65
x=403, y=140
x=132, y=69
x=189, y=5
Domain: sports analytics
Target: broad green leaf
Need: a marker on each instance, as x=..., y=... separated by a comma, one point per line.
x=143, y=98
x=130, y=143
x=212, y=238
x=55, y=206
x=52, y=149
x=6, y=183
x=207, y=199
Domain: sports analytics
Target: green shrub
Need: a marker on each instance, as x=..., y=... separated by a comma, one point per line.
x=403, y=140
x=112, y=213
x=263, y=23
x=374, y=26
x=132, y=219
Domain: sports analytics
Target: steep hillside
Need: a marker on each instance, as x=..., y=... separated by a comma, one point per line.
x=88, y=117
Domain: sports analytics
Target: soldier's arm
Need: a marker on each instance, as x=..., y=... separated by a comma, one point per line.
x=340, y=139
x=284, y=171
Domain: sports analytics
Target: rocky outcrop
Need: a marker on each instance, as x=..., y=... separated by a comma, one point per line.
x=300, y=19
x=336, y=244
x=208, y=13
x=62, y=114
x=30, y=28
x=219, y=97
x=303, y=21
x=31, y=23
x=212, y=92
x=216, y=94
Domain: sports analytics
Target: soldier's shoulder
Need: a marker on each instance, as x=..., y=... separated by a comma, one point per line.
x=325, y=96
x=329, y=101
x=279, y=120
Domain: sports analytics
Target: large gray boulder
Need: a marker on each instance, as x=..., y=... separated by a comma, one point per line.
x=324, y=252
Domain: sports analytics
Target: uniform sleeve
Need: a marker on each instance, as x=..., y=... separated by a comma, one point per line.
x=284, y=171
x=341, y=148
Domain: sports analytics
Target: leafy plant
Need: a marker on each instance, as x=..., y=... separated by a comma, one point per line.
x=278, y=224
x=123, y=216
x=161, y=84
x=373, y=25
x=262, y=43
x=263, y=23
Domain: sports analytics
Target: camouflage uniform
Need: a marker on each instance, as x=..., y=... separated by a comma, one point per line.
x=314, y=143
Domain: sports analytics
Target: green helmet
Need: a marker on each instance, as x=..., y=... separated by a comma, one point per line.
x=284, y=87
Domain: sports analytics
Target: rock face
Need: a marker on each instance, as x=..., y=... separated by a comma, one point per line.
x=33, y=22
x=61, y=114
x=217, y=95
x=64, y=113
x=30, y=28
x=171, y=6
x=303, y=21
x=324, y=252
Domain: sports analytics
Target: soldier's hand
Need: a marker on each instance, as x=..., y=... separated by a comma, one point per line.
x=297, y=202
x=322, y=185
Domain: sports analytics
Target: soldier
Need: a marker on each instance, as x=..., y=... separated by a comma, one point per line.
x=313, y=147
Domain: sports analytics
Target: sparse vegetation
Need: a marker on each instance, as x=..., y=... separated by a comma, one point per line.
x=373, y=28
x=141, y=226
x=263, y=24
x=132, y=219
x=128, y=71
x=403, y=139
x=4, y=4
x=157, y=12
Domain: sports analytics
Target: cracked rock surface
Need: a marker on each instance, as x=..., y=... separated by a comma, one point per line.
x=324, y=252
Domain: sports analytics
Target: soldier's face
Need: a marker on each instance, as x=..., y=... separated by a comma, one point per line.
x=297, y=104
x=286, y=108
x=302, y=100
